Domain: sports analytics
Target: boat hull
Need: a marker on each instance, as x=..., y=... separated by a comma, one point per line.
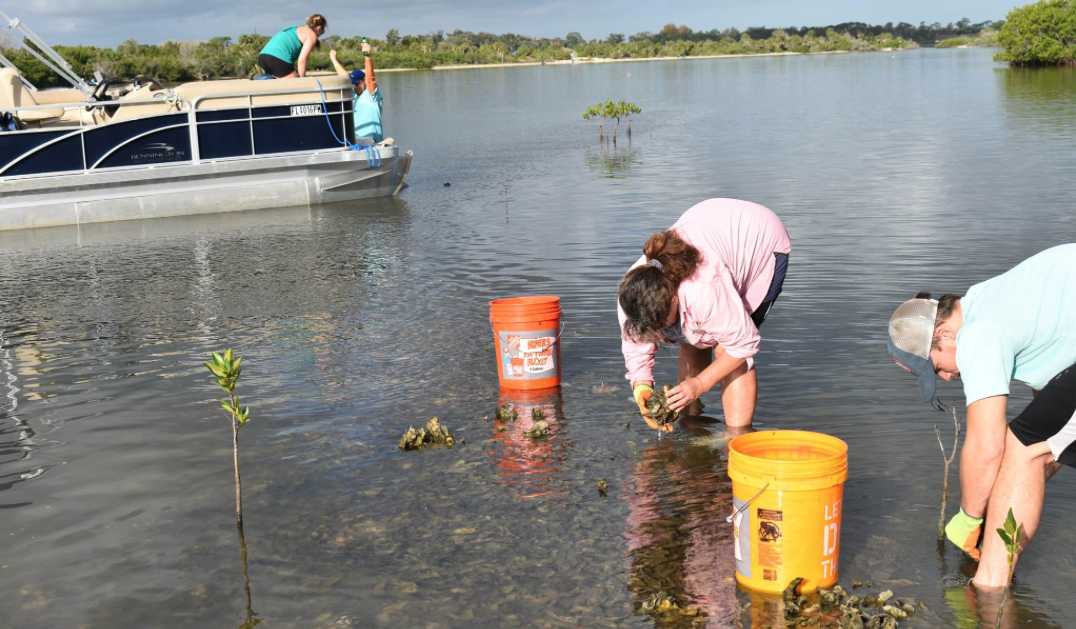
x=204, y=188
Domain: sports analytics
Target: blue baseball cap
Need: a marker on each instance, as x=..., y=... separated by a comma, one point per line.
x=911, y=333
x=356, y=76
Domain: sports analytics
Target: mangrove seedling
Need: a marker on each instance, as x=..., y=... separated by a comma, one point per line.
x=948, y=463
x=599, y=111
x=626, y=110
x=1012, y=534
x=226, y=367
x=611, y=110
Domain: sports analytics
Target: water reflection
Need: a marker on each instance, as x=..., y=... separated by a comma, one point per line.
x=251, y=619
x=680, y=546
x=532, y=468
x=613, y=161
x=971, y=608
x=1039, y=100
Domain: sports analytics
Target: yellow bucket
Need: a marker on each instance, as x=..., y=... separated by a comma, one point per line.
x=787, y=488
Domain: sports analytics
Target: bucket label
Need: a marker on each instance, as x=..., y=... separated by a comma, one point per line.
x=770, y=542
x=831, y=538
x=528, y=355
x=741, y=524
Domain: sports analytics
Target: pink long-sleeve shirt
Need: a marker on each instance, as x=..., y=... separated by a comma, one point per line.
x=737, y=240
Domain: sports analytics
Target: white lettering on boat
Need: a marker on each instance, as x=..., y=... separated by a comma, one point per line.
x=305, y=110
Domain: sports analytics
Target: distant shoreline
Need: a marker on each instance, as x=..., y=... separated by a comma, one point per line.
x=600, y=60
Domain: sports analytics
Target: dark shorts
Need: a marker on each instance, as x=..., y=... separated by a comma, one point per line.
x=276, y=67
x=779, y=271
x=1051, y=417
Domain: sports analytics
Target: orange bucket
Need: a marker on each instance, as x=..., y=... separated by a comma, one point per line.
x=787, y=488
x=526, y=333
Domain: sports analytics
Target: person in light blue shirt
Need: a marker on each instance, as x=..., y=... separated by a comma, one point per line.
x=367, y=103
x=1020, y=325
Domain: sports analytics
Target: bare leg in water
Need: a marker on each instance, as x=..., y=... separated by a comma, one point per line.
x=739, y=390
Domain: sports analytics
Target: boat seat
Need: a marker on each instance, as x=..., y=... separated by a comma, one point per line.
x=335, y=88
x=136, y=110
x=14, y=94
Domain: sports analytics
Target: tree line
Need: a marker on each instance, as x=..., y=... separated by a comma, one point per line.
x=220, y=57
x=1040, y=34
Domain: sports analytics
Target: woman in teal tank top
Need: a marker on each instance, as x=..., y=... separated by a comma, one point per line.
x=284, y=56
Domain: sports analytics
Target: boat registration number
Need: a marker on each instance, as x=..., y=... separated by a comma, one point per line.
x=305, y=110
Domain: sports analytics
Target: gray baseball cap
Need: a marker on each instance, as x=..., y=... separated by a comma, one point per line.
x=911, y=332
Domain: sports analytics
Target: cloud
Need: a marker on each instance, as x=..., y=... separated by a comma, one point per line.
x=109, y=22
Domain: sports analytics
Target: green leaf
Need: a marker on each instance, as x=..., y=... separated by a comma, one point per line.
x=217, y=371
x=235, y=365
x=229, y=356
x=218, y=359
x=1010, y=522
x=1005, y=537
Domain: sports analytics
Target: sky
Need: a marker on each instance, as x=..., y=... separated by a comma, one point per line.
x=110, y=22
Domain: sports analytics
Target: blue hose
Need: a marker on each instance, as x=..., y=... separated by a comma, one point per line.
x=373, y=156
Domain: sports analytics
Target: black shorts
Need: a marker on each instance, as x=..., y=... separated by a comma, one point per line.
x=277, y=67
x=1051, y=417
x=779, y=270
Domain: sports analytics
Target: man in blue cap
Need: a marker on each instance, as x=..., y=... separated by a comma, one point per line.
x=367, y=102
x=1020, y=325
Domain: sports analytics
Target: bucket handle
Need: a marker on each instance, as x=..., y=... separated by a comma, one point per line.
x=555, y=340
x=746, y=504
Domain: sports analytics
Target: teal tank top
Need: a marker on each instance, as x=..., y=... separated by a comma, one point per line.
x=285, y=45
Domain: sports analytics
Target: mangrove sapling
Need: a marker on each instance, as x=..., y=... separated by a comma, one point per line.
x=611, y=110
x=227, y=367
x=597, y=111
x=948, y=463
x=627, y=109
x=1012, y=534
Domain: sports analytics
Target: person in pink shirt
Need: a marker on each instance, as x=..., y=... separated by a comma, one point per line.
x=707, y=283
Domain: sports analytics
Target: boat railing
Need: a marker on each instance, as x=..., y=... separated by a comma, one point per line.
x=79, y=118
x=198, y=100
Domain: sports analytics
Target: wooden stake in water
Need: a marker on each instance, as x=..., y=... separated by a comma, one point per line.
x=948, y=463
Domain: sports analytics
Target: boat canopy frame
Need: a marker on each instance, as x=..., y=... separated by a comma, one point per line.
x=54, y=62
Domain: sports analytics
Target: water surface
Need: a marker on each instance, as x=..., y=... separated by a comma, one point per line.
x=894, y=173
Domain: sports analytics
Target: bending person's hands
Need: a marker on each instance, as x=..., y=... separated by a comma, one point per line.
x=964, y=530
x=685, y=393
x=642, y=393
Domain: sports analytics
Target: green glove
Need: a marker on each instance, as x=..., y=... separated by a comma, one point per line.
x=964, y=530
x=642, y=393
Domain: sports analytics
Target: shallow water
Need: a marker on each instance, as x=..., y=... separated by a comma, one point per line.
x=894, y=173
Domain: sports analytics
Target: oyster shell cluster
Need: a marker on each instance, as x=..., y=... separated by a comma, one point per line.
x=880, y=611
x=660, y=604
x=658, y=406
x=433, y=433
x=603, y=487
x=540, y=429
x=505, y=413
